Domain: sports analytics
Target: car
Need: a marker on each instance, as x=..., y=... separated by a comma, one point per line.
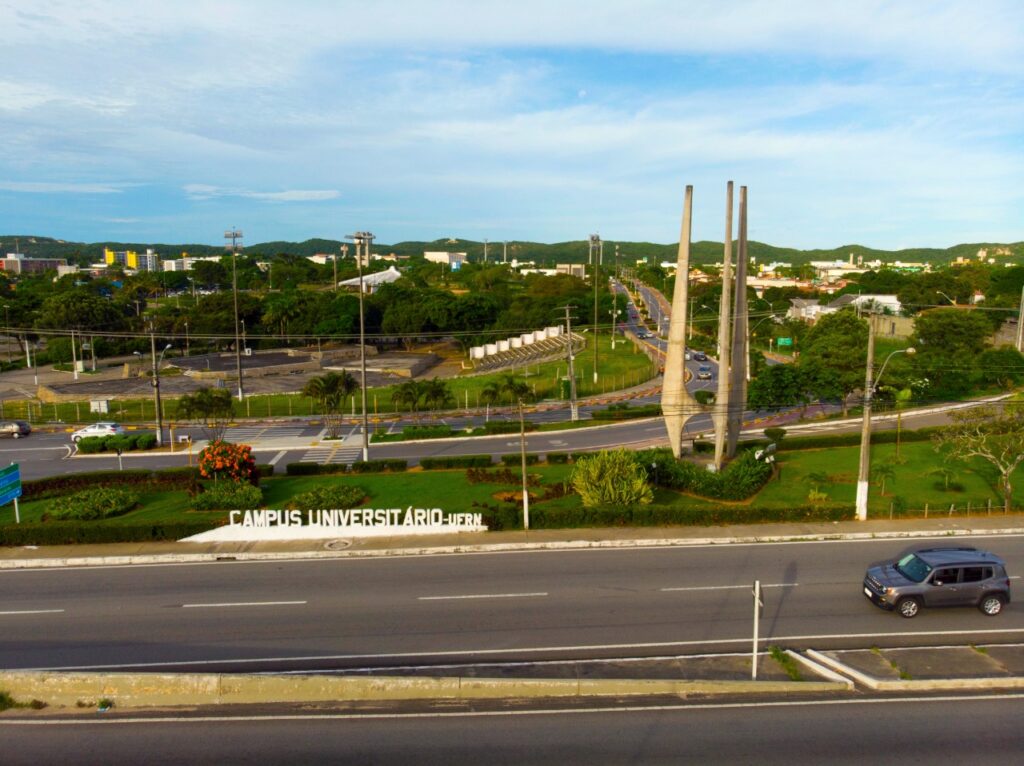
x=15, y=428
x=643, y=334
x=97, y=429
x=704, y=372
x=952, y=576
x=700, y=356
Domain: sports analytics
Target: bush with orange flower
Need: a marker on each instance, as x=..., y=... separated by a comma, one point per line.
x=233, y=462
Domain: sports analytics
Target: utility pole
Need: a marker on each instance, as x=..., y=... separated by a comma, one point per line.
x=235, y=236
x=1020, y=323
x=74, y=359
x=615, y=299
x=504, y=252
x=7, y=331
x=573, y=409
x=485, y=251
x=365, y=240
x=522, y=456
x=156, y=389
x=186, y=337
x=595, y=250
x=865, y=431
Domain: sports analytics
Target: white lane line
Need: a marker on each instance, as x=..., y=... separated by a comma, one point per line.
x=243, y=603
x=35, y=611
x=482, y=595
x=730, y=587
x=274, y=460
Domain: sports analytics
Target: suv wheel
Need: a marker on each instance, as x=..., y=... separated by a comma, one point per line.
x=908, y=607
x=992, y=604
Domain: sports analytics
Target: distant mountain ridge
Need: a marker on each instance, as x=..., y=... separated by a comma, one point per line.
x=703, y=252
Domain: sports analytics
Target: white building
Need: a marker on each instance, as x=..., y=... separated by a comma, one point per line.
x=453, y=260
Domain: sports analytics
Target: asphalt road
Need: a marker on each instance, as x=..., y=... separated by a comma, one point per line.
x=912, y=731
x=450, y=609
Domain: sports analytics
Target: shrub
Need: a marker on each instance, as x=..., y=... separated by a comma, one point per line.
x=557, y=458
x=379, y=466
x=624, y=411
x=740, y=479
x=123, y=442
x=611, y=477
x=72, y=533
x=303, y=469
x=501, y=476
x=426, y=432
x=91, y=445
x=231, y=461
x=775, y=434
x=93, y=504
x=336, y=496
x=146, y=441
x=38, y=489
x=456, y=461
x=517, y=459
x=704, y=398
x=507, y=427
x=265, y=470
x=228, y=495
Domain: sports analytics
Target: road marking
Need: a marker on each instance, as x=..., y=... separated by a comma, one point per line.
x=35, y=611
x=190, y=720
x=742, y=641
x=482, y=595
x=274, y=460
x=243, y=603
x=736, y=587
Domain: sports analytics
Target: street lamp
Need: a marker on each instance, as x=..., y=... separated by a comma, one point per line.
x=7, y=331
x=951, y=300
x=235, y=236
x=865, y=429
x=364, y=239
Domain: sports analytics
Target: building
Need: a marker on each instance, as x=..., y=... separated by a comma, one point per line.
x=453, y=260
x=873, y=304
x=17, y=263
x=186, y=263
x=572, y=269
x=372, y=281
x=129, y=259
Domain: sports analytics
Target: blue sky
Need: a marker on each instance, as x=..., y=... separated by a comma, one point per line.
x=889, y=124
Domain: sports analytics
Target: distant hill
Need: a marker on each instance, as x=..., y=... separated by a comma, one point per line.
x=558, y=252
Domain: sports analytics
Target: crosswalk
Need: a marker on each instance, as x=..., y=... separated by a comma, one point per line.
x=251, y=433
x=345, y=451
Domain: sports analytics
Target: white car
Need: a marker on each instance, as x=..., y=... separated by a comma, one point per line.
x=97, y=429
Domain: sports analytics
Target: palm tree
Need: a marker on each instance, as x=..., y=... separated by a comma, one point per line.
x=409, y=394
x=436, y=393
x=946, y=472
x=882, y=473
x=329, y=391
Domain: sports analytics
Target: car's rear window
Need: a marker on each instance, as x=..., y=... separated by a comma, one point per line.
x=913, y=568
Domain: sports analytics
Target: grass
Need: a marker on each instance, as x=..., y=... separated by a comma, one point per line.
x=786, y=662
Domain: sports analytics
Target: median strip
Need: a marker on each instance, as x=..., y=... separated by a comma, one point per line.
x=244, y=603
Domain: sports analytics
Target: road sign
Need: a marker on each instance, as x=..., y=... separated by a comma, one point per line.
x=784, y=341
x=10, y=487
x=9, y=494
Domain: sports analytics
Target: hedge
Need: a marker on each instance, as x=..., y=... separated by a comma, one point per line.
x=510, y=516
x=626, y=412
x=380, y=466
x=557, y=458
x=91, y=445
x=456, y=461
x=313, y=469
x=68, y=533
x=92, y=504
x=426, y=432
x=169, y=478
x=849, y=440
x=518, y=459
x=227, y=495
x=740, y=479
x=506, y=427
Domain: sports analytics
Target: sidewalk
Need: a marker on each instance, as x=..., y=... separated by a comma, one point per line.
x=483, y=542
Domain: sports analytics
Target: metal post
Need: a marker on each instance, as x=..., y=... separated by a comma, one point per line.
x=186, y=337
x=1020, y=323
x=757, y=618
x=7, y=331
x=573, y=409
x=156, y=390
x=74, y=358
x=865, y=431
x=595, y=250
x=364, y=239
x=522, y=452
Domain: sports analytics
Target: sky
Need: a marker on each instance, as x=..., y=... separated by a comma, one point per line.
x=888, y=124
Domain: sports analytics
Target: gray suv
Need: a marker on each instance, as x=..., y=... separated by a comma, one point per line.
x=940, y=577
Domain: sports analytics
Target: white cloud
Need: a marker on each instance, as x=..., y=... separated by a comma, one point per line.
x=206, y=191
x=42, y=187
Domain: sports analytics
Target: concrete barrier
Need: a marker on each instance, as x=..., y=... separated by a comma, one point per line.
x=129, y=690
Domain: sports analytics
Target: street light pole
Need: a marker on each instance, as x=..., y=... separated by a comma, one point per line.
x=595, y=249
x=7, y=331
x=364, y=239
x=156, y=386
x=573, y=409
x=863, y=474
x=522, y=456
x=235, y=235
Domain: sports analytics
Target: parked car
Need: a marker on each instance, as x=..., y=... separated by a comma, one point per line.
x=15, y=428
x=956, y=576
x=704, y=372
x=97, y=429
x=700, y=356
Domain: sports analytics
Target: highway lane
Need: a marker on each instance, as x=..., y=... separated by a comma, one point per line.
x=514, y=606
x=946, y=730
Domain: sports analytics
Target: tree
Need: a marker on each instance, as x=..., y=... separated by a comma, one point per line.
x=329, y=391
x=779, y=385
x=611, y=477
x=948, y=342
x=834, y=355
x=995, y=435
x=437, y=394
x=232, y=461
x=883, y=473
x=212, y=406
x=408, y=393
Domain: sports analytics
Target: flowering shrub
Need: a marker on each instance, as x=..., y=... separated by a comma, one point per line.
x=231, y=461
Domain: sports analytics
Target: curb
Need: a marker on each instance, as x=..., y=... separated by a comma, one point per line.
x=130, y=690
x=934, y=684
x=211, y=557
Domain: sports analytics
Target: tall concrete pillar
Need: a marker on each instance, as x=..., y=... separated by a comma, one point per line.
x=738, y=371
x=677, y=405
x=720, y=414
